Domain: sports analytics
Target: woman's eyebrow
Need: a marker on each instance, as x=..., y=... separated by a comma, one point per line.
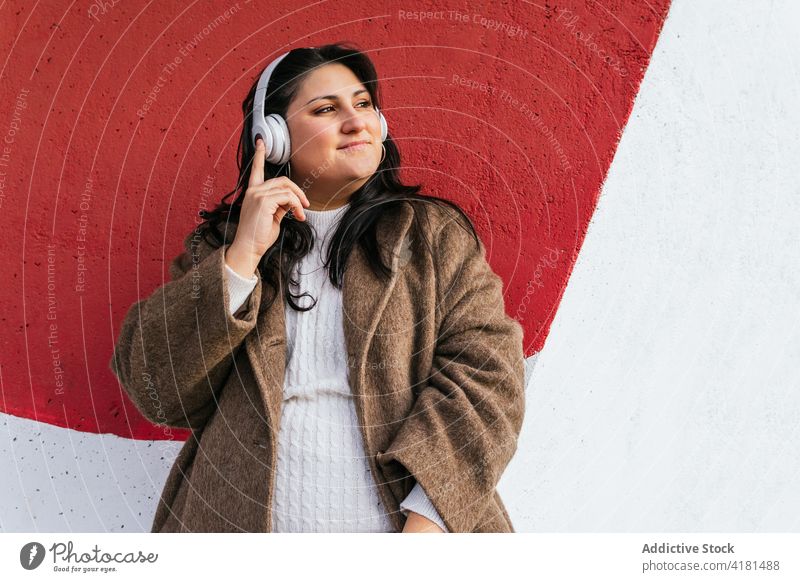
x=334, y=97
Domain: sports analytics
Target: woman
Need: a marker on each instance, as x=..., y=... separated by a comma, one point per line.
x=335, y=340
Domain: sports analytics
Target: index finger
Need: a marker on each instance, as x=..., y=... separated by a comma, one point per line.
x=257, y=169
x=299, y=191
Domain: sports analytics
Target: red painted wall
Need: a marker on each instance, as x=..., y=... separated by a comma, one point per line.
x=117, y=117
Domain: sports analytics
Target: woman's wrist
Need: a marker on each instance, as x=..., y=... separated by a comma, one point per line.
x=417, y=523
x=243, y=262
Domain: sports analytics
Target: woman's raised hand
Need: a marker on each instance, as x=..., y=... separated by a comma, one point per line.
x=264, y=206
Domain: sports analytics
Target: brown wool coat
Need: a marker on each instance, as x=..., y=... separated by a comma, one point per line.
x=435, y=365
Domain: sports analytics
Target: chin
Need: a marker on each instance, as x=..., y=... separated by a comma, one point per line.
x=356, y=172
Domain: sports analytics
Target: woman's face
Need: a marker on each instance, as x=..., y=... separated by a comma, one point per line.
x=332, y=108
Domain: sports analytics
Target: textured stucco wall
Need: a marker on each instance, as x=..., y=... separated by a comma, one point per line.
x=131, y=118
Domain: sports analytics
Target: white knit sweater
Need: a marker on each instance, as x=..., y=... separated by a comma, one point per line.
x=323, y=481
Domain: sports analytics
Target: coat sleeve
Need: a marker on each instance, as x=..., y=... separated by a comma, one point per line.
x=463, y=428
x=176, y=347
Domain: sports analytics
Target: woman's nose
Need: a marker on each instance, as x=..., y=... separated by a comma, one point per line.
x=354, y=121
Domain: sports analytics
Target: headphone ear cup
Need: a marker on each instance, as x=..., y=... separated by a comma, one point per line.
x=262, y=129
x=384, y=125
x=281, y=146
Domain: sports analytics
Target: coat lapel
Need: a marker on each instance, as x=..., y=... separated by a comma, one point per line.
x=365, y=295
x=266, y=349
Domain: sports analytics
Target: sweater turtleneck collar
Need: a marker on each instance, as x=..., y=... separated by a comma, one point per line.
x=324, y=220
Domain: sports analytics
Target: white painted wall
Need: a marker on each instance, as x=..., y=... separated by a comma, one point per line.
x=666, y=397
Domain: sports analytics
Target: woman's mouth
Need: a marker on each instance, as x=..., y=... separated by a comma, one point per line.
x=358, y=146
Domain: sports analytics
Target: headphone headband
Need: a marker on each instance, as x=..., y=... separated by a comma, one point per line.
x=260, y=127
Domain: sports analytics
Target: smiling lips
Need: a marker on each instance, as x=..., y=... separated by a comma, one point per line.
x=354, y=145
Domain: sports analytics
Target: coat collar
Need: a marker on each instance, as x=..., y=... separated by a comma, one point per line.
x=364, y=297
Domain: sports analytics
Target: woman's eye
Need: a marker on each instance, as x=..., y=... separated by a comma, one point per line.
x=323, y=110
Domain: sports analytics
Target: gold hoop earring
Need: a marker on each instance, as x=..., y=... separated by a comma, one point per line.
x=384, y=154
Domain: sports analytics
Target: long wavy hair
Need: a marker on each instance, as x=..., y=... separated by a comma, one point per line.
x=381, y=195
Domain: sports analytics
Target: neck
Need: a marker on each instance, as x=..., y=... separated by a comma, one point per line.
x=329, y=203
x=319, y=195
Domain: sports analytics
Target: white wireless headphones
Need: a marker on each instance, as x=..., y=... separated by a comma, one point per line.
x=273, y=129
